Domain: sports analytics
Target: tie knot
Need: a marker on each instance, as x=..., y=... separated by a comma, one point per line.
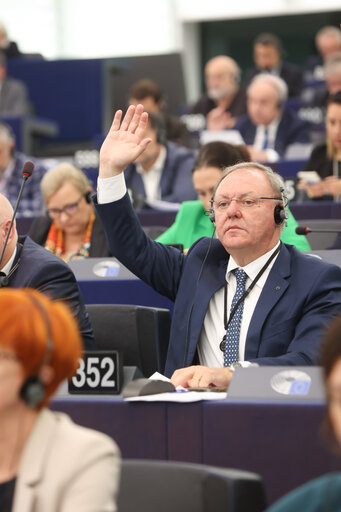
x=241, y=276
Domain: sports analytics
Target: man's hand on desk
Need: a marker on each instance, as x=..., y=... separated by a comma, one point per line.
x=124, y=142
x=202, y=377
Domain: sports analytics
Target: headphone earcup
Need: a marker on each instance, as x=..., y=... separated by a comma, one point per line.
x=211, y=215
x=87, y=196
x=32, y=391
x=280, y=214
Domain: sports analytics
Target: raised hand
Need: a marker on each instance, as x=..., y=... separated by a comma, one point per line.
x=124, y=142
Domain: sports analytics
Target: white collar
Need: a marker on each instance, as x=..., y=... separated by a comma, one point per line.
x=252, y=268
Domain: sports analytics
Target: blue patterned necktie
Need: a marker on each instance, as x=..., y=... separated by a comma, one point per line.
x=233, y=330
x=266, y=139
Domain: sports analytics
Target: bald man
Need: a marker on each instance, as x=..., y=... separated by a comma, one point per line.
x=26, y=264
x=224, y=99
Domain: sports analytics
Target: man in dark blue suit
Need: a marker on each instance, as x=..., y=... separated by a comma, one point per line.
x=291, y=296
x=163, y=171
x=26, y=264
x=269, y=127
x=268, y=54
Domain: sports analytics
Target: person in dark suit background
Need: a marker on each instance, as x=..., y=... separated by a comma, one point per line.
x=269, y=126
x=284, y=316
x=224, y=99
x=268, y=56
x=149, y=94
x=11, y=167
x=327, y=42
x=9, y=48
x=26, y=264
x=163, y=171
x=316, y=100
x=14, y=98
x=70, y=229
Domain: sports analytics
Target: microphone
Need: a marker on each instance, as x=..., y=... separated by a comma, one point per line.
x=304, y=230
x=27, y=171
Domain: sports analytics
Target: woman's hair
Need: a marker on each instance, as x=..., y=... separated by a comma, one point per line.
x=28, y=320
x=330, y=354
x=220, y=154
x=332, y=99
x=62, y=173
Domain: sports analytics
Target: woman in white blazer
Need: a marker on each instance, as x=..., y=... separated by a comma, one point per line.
x=47, y=463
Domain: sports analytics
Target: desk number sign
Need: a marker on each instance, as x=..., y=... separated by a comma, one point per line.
x=99, y=372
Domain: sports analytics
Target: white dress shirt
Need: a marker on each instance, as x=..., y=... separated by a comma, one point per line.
x=213, y=328
x=151, y=178
x=258, y=143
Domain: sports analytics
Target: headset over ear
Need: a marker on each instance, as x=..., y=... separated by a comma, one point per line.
x=32, y=391
x=87, y=197
x=280, y=212
x=211, y=211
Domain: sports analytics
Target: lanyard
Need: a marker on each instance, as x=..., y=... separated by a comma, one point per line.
x=245, y=294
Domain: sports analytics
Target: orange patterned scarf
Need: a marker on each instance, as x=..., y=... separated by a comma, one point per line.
x=55, y=242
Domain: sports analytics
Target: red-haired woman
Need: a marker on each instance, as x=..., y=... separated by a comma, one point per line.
x=47, y=462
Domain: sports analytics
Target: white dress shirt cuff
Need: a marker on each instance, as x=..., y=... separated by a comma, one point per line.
x=111, y=189
x=272, y=155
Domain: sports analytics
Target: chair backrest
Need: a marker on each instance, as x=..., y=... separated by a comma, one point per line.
x=152, y=486
x=319, y=241
x=140, y=333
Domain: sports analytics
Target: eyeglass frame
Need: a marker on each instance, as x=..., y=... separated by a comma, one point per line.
x=242, y=207
x=64, y=209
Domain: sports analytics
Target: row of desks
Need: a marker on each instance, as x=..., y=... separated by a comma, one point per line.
x=283, y=442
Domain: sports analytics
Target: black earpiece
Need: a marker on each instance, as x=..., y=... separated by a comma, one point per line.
x=211, y=211
x=280, y=214
x=87, y=196
x=32, y=391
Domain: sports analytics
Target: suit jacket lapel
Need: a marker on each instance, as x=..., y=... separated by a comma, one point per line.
x=275, y=286
x=33, y=460
x=212, y=279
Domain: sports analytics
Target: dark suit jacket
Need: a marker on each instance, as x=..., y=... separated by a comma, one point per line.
x=319, y=162
x=176, y=179
x=291, y=129
x=290, y=73
x=14, y=98
x=98, y=249
x=300, y=296
x=204, y=105
x=42, y=270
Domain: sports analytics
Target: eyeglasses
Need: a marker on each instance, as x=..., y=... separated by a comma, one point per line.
x=69, y=209
x=244, y=203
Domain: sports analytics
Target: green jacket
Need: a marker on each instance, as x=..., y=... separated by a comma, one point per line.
x=191, y=223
